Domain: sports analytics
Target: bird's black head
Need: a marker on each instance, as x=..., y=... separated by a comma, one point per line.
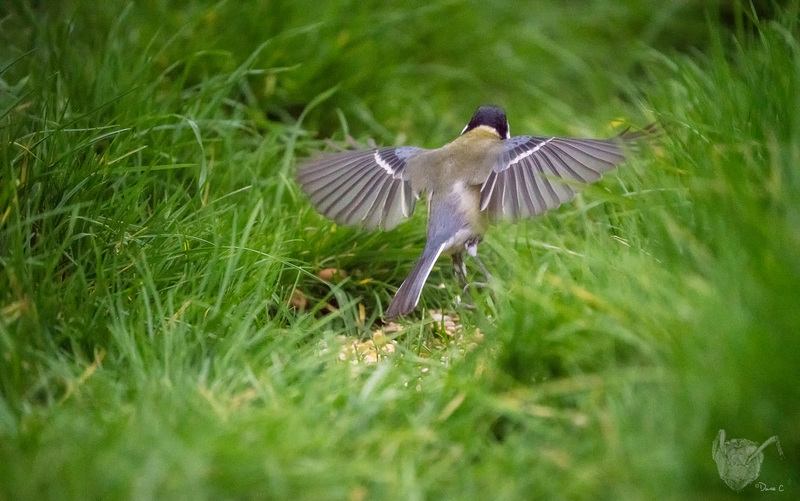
x=489, y=116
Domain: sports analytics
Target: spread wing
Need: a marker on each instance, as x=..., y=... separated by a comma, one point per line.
x=370, y=187
x=527, y=177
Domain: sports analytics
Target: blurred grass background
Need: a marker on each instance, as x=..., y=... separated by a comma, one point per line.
x=151, y=235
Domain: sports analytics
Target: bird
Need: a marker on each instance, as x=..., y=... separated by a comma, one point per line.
x=483, y=176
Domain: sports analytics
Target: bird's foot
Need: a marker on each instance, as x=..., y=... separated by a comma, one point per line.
x=467, y=302
x=477, y=285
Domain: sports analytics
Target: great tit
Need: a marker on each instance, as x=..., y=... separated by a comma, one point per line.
x=483, y=175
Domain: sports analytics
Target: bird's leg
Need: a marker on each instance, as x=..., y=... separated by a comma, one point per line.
x=460, y=270
x=472, y=250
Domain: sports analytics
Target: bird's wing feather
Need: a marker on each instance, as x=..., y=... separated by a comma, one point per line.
x=535, y=174
x=368, y=187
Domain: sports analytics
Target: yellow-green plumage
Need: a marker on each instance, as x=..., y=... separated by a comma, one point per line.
x=484, y=173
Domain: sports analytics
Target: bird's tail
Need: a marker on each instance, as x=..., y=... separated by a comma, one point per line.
x=408, y=294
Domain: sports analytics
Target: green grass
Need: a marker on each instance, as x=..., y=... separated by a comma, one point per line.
x=151, y=235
